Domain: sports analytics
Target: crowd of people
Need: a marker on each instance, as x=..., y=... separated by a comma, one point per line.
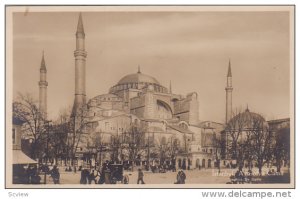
x=107, y=174
x=31, y=174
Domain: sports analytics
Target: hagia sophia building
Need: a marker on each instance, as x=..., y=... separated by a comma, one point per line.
x=168, y=118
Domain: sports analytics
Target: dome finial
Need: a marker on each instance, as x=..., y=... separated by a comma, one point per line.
x=247, y=109
x=139, y=69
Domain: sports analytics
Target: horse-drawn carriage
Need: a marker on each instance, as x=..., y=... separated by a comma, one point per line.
x=113, y=174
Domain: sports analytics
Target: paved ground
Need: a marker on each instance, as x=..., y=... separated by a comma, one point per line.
x=193, y=176
x=204, y=176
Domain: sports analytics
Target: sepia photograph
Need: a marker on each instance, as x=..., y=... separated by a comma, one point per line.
x=150, y=97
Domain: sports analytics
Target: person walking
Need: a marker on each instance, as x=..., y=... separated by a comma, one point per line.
x=84, y=176
x=178, y=180
x=140, y=177
x=92, y=177
x=107, y=174
x=240, y=176
x=125, y=179
x=250, y=176
x=55, y=175
x=182, y=177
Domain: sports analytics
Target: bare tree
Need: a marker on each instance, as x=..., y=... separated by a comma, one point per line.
x=35, y=124
x=57, y=141
x=235, y=139
x=80, y=128
x=282, y=147
x=261, y=143
x=249, y=140
x=218, y=144
x=134, y=142
x=97, y=139
x=116, y=147
x=238, y=133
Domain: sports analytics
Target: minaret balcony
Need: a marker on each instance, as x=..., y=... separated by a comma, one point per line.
x=43, y=83
x=80, y=53
x=43, y=70
x=229, y=88
x=80, y=35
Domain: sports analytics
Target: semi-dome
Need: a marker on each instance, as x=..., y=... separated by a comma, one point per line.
x=246, y=120
x=138, y=78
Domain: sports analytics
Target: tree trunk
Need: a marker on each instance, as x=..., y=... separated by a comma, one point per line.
x=278, y=166
x=259, y=165
x=33, y=151
x=260, y=170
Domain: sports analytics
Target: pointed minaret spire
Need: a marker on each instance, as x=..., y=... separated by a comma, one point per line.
x=43, y=64
x=170, y=87
x=139, y=69
x=80, y=29
x=229, y=70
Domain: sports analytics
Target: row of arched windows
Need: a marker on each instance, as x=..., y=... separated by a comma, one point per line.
x=140, y=85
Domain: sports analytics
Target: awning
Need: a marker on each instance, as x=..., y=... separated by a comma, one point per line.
x=20, y=158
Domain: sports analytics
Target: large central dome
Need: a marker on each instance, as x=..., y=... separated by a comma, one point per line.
x=137, y=81
x=138, y=78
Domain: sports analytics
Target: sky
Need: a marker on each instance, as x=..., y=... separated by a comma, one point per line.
x=190, y=49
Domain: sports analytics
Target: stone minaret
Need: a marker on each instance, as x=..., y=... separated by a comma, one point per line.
x=43, y=88
x=229, y=94
x=80, y=56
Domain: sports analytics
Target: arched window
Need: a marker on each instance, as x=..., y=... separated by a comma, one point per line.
x=163, y=110
x=203, y=163
x=179, y=163
x=183, y=125
x=197, y=162
x=14, y=136
x=176, y=142
x=209, y=163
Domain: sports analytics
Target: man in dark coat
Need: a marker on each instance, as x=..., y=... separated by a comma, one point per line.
x=180, y=179
x=55, y=174
x=140, y=177
x=84, y=176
